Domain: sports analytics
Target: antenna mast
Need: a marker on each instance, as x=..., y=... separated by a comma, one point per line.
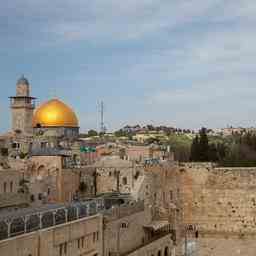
x=102, y=125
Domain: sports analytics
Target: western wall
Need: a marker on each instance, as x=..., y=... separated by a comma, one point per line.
x=219, y=209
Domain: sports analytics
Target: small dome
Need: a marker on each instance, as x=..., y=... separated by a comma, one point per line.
x=23, y=80
x=54, y=113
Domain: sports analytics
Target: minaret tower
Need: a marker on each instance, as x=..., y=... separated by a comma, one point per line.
x=22, y=107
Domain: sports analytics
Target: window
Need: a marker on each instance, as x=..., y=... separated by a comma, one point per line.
x=94, y=237
x=166, y=251
x=124, y=225
x=65, y=247
x=5, y=187
x=11, y=186
x=78, y=243
x=32, y=198
x=124, y=180
x=171, y=195
x=60, y=249
x=43, y=144
x=40, y=196
x=97, y=235
x=82, y=241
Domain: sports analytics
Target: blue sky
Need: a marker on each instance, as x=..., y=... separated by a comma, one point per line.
x=184, y=63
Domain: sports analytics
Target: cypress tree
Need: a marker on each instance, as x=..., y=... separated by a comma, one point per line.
x=203, y=145
x=194, y=154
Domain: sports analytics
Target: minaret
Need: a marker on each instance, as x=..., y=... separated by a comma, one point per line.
x=22, y=107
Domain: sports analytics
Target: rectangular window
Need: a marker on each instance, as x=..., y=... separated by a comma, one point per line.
x=65, y=247
x=78, y=243
x=94, y=237
x=60, y=250
x=171, y=195
x=11, y=186
x=5, y=187
x=97, y=235
x=82, y=241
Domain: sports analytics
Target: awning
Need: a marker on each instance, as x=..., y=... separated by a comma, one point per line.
x=156, y=225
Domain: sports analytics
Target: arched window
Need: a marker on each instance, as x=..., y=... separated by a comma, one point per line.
x=124, y=225
x=159, y=253
x=5, y=187
x=41, y=171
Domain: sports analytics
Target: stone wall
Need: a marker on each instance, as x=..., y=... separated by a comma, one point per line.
x=225, y=246
x=219, y=203
x=220, y=199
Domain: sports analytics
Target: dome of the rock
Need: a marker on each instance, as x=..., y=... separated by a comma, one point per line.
x=54, y=113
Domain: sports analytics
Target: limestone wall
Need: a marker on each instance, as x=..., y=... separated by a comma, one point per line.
x=225, y=246
x=219, y=199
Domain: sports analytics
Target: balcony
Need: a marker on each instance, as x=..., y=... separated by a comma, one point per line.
x=22, y=102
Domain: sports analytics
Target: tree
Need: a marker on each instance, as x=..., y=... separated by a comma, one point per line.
x=200, y=148
x=194, y=149
x=212, y=153
x=92, y=133
x=203, y=145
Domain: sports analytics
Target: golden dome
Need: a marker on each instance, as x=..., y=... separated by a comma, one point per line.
x=54, y=113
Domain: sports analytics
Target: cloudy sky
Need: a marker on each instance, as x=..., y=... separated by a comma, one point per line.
x=185, y=63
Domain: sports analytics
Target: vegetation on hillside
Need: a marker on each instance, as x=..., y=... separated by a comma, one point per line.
x=234, y=150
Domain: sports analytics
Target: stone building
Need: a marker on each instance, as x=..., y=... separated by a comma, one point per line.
x=115, y=174
x=52, y=179
x=60, y=232
x=10, y=188
x=129, y=230
x=142, y=153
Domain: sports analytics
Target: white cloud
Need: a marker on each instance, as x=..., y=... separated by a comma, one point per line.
x=195, y=57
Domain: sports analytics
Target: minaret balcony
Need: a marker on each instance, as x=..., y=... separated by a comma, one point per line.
x=22, y=102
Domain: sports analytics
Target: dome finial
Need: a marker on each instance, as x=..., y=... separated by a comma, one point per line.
x=23, y=80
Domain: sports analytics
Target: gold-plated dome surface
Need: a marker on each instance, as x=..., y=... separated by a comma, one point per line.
x=54, y=113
